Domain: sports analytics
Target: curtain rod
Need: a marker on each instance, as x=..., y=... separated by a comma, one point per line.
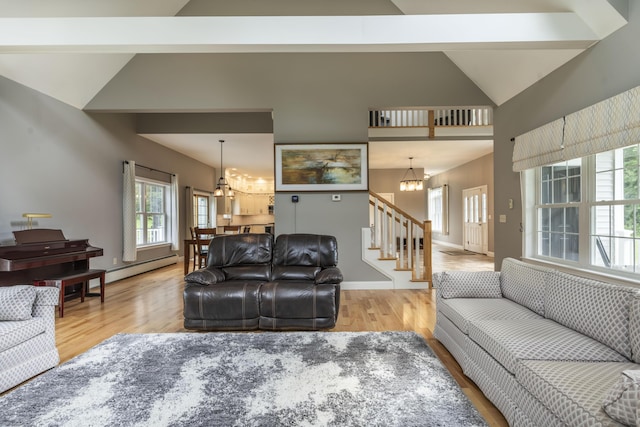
x=209, y=192
x=150, y=169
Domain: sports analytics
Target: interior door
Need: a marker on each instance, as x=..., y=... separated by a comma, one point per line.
x=475, y=219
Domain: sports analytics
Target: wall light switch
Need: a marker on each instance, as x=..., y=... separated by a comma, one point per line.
x=510, y=203
x=503, y=218
x=335, y=197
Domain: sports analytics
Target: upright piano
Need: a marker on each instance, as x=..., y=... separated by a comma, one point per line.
x=42, y=254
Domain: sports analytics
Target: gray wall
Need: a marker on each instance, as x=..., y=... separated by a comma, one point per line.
x=321, y=97
x=63, y=161
x=388, y=181
x=607, y=69
x=473, y=174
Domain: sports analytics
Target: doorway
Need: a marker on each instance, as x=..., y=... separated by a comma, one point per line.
x=475, y=229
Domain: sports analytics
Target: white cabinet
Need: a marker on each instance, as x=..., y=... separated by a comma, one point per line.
x=253, y=203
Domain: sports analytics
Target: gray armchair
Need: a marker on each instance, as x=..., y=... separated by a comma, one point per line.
x=27, y=332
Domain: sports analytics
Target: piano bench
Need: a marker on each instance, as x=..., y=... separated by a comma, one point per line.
x=73, y=279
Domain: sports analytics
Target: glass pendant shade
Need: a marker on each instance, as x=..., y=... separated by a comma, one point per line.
x=410, y=181
x=222, y=183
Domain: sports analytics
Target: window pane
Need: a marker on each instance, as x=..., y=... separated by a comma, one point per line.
x=559, y=171
x=559, y=191
x=574, y=189
x=630, y=174
x=139, y=196
x=139, y=229
x=604, y=186
x=155, y=228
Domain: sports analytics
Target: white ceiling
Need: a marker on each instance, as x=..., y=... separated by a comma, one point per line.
x=70, y=49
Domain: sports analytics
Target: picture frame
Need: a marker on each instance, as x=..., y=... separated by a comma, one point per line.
x=322, y=167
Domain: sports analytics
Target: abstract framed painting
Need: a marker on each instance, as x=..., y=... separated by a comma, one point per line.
x=321, y=167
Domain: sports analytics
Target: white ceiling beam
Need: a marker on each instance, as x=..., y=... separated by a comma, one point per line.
x=295, y=33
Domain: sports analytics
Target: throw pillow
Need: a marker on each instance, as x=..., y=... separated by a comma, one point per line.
x=622, y=402
x=468, y=284
x=16, y=302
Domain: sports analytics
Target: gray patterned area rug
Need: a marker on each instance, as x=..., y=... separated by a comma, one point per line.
x=246, y=379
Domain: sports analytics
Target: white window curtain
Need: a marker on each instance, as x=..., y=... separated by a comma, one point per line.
x=175, y=213
x=129, y=252
x=607, y=125
x=188, y=211
x=213, y=210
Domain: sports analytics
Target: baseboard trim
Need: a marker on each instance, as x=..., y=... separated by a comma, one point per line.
x=366, y=286
x=143, y=267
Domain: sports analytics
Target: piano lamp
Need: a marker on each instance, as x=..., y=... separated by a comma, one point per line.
x=222, y=182
x=31, y=216
x=412, y=183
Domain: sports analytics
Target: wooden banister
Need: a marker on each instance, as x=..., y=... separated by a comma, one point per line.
x=400, y=236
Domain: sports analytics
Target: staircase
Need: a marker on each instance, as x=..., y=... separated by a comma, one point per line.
x=397, y=245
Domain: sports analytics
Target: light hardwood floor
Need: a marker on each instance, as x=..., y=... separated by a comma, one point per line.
x=152, y=302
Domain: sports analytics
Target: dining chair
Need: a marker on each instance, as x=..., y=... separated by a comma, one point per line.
x=203, y=237
x=231, y=229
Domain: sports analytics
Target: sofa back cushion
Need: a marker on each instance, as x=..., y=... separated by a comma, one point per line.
x=524, y=283
x=301, y=256
x=16, y=302
x=244, y=256
x=597, y=309
x=634, y=328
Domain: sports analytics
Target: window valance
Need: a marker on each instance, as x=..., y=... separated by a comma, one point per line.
x=607, y=125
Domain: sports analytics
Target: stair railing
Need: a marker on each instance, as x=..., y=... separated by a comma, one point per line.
x=400, y=237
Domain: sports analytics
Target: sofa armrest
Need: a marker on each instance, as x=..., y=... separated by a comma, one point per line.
x=47, y=295
x=205, y=276
x=330, y=275
x=468, y=284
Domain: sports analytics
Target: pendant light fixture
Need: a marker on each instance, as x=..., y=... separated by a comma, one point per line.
x=410, y=183
x=223, y=187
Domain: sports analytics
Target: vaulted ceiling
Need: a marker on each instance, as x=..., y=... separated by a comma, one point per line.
x=70, y=49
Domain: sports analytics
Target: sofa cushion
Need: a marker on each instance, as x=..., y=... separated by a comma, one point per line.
x=468, y=284
x=524, y=283
x=462, y=311
x=597, y=309
x=16, y=302
x=294, y=272
x=247, y=272
x=512, y=340
x=573, y=391
x=622, y=401
x=16, y=332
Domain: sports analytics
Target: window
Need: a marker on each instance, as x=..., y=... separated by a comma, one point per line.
x=438, y=215
x=616, y=210
x=151, y=212
x=557, y=213
x=201, y=213
x=586, y=212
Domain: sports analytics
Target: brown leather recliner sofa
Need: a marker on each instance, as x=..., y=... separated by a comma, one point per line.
x=250, y=282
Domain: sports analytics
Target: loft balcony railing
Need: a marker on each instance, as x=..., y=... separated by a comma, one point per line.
x=400, y=237
x=430, y=117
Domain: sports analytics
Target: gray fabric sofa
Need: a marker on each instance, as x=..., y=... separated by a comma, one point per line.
x=27, y=332
x=546, y=347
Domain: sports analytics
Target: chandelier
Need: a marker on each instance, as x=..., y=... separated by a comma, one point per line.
x=410, y=183
x=223, y=187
